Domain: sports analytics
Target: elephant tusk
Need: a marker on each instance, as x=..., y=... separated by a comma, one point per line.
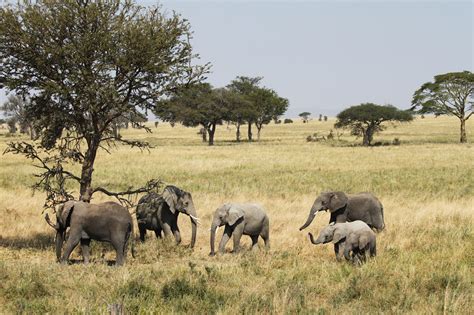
x=195, y=219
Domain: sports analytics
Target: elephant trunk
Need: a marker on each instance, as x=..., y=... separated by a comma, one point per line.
x=59, y=243
x=214, y=227
x=194, y=222
x=315, y=242
x=310, y=219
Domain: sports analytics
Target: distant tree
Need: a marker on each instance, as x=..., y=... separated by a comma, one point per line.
x=246, y=87
x=88, y=63
x=450, y=94
x=240, y=110
x=14, y=109
x=267, y=106
x=288, y=121
x=196, y=105
x=325, y=118
x=305, y=116
x=366, y=119
x=320, y=117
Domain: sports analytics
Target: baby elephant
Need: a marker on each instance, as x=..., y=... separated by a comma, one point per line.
x=358, y=243
x=246, y=218
x=338, y=234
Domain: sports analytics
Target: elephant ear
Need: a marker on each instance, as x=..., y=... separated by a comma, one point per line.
x=338, y=236
x=171, y=199
x=234, y=215
x=337, y=201
x=68, y=206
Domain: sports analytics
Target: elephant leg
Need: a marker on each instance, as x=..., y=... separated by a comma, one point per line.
x=72, y=241
x=254, y=241
x=158, y=232
x=119, y=243
x=177, y=235
x=167, y=229
x=265, y=234
x=85, y=242
x=225, y=238
x=347, y=253
x=337, y=248
x=142, y=229
x=238, y=231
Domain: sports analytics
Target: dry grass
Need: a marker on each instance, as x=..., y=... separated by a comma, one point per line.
x=425, y=256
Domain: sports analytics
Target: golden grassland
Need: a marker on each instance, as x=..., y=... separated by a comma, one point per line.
x=425, y=256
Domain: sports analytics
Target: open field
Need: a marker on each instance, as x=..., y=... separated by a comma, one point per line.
x=425, y=256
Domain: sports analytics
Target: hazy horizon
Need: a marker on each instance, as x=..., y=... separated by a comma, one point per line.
x=326, y=56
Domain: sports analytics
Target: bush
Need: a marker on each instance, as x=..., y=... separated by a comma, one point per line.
x=288, y=121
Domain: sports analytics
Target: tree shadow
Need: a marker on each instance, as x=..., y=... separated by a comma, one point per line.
x=33, y=241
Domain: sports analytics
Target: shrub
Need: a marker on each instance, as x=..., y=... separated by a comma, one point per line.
x=288, y=121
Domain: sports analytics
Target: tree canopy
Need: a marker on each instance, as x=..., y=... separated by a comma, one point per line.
x=366, y=119
x=449, y=94
x=199, y=104
x=86, y=64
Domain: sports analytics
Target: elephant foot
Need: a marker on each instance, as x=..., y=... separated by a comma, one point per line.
x=211, y=254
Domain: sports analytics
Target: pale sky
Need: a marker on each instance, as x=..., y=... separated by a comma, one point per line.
x=327, y=55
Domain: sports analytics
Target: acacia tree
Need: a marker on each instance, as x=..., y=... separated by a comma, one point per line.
x=246, y=87
x=85, y=65
x=366, y=119
x=196, y=105
x=450, y=94
x=305, y=116
x=268, y=106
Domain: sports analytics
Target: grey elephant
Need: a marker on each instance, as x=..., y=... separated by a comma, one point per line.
x=240, y=219
x=358, y=243
x=159, y=213
x=337, y=233
x=346, y=208
x=105, y=222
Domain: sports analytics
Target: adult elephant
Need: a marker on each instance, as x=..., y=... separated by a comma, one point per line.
x=105, y=222
x=346, y=208
x=159, y=213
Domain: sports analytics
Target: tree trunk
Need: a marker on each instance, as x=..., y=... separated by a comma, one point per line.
x=259, y=128
x=88, y=168
x=237, y=134
x=211, y=130
x=250, y=131
x=204, y=134
x=463, y=138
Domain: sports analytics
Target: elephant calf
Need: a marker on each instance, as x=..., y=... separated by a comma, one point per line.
x=338, y=234
x=105, y=222
x=358, y=243
x=240, y=219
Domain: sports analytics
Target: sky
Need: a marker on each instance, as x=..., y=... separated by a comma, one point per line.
x=325, y=56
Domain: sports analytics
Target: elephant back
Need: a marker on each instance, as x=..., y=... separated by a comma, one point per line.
x=148, y=207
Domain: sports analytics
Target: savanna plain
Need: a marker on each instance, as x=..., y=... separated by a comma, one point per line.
x=425, y=256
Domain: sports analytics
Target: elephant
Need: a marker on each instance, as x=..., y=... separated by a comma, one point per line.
x=346, y=208
x=160, y=213
x=358, y=243
x=240, y=218
x=338, y=234
x=105, y=222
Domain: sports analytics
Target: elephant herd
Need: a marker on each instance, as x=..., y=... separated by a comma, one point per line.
x=353, y=219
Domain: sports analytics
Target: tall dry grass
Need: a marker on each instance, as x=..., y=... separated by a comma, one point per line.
x=425, y=255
